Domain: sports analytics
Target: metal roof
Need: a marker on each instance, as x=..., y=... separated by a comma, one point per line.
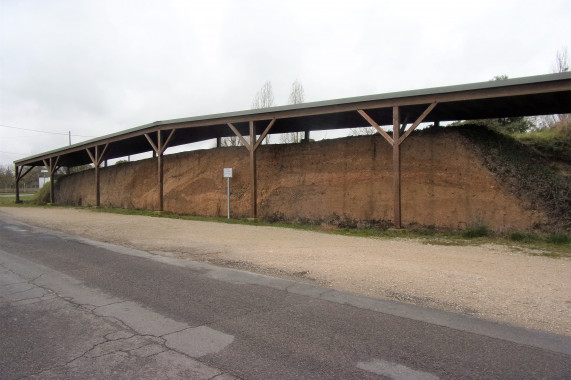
x=527, y=96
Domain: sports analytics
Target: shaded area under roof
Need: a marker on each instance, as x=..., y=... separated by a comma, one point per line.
x=528, y=96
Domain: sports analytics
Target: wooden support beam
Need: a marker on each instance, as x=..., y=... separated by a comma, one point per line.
x=91, y=156
x=158, y=149
x=377, y=127
x=417, y=122
x=252, y=146
x=160, y=169
x=17, y=170
x=264, y=134
x=395, y=141
x=396, y=170
x=153, y=145
x=26, y=172
x=100, y=158
x=242, y=139
x=253, y=179
x=164, y=146
x=19, y=174
x=55, y=167
x=52, y=166
x=96, y=159
x=97, y=179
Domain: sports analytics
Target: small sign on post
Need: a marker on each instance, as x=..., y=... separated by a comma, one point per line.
x=228, y=174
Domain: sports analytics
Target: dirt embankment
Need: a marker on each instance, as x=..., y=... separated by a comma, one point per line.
x=444, y=183
x=490, y=282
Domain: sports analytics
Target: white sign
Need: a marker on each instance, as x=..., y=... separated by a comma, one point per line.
x=227, y=172
x=42, y=181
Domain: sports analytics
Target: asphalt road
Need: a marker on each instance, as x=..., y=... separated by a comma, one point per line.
x=73, y=308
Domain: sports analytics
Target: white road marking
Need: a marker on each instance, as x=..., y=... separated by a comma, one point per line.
x=15, y=229
x=395, y=371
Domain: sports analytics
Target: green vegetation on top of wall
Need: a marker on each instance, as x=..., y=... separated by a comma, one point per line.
x=552, y=143
x=526, y=173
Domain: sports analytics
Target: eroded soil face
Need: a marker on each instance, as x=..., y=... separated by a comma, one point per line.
x=350, y=180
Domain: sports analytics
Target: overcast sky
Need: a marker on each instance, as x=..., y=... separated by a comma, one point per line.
x=95, y=67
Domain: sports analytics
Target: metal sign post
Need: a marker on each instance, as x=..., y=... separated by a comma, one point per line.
x=228, y=175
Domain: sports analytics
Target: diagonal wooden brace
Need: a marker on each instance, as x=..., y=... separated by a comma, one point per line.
x=377, y=127
x=237, y=133
x=263, y=136
x=417, y=122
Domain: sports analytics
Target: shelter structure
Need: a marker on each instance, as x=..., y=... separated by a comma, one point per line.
x=400, y=111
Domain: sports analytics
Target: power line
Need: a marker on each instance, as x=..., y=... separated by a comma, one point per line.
x=17, y=154
x=48, y=132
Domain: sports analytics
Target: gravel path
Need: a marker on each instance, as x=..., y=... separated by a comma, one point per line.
x=490, y=282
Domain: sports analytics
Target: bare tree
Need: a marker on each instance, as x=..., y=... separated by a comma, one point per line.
x=230, y=141
x=560, y=65
x=296, y=96
x=363, y=131
x=561, y=61
x=264, y=99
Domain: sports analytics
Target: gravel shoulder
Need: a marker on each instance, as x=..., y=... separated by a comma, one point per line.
x=489, y=282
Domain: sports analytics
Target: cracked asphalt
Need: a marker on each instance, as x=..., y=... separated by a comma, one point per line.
x=50, y=332
x=72, y=308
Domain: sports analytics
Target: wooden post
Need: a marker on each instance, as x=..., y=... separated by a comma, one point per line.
x=396, y=169
x=253, y=182
x=19, y=174
x=52, y=187
x=395, y=141
x=160, y=171
x=218, y=142
x=159, y=149
x=17, y=168
x=97, y=181
x=52, y=167
x=252, y=146
x=96, y=159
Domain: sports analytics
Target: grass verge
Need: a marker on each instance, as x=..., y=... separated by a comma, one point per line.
x=555, y=245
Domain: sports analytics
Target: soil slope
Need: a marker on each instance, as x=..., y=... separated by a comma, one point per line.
x=349, y=181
